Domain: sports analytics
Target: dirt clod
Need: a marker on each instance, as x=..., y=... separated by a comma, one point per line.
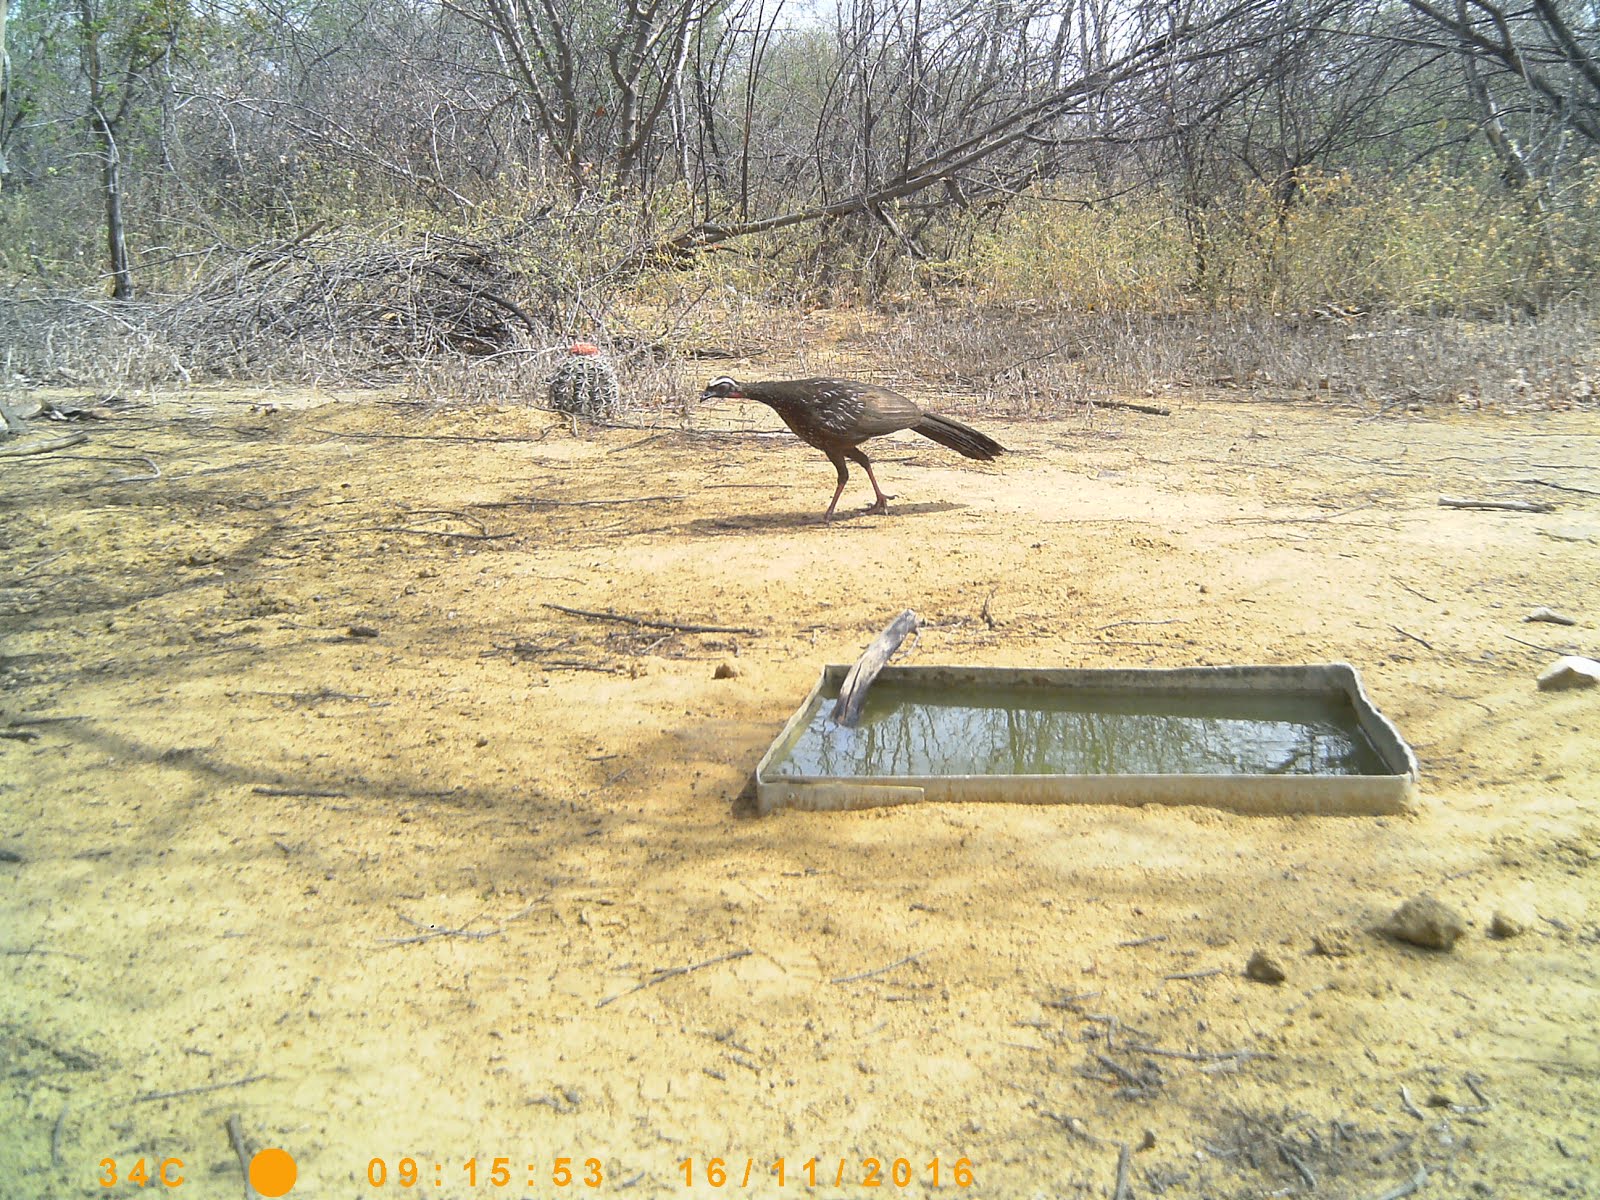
x=1504, y=925
x=725, y=670
x=1336, y=941
x=1424, y=921
x=1263, y=968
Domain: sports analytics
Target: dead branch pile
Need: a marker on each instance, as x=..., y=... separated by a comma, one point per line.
x=406, y=300
x=315, y=305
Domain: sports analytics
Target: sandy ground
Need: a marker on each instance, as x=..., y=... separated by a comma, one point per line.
x=314, y=815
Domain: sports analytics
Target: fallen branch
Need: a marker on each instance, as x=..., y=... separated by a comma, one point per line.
x=71, y=439
x=673, y=972
x=651, y=623
x=853, y=692
x=1527, y=506
x=1195, y=974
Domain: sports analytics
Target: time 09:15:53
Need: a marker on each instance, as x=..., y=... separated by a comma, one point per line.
x=590, y=1173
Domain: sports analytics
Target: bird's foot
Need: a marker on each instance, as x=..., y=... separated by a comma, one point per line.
x=878, y=509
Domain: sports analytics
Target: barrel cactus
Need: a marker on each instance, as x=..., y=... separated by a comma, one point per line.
x=585, y=383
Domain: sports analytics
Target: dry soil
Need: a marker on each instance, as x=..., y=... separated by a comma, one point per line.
x=315, y=814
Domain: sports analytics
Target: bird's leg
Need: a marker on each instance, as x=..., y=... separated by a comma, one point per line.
x=882, y=504
x=844, y=473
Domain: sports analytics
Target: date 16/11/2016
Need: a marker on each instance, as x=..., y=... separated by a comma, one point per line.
x=814, y=1172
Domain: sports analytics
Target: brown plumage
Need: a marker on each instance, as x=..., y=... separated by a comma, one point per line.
x=837, y=415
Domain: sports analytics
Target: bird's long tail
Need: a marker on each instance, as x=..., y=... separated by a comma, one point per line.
x=963, y=439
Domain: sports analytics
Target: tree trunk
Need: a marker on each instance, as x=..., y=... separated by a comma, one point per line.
x=5, y=92
x=110, y=154
x=116, y=236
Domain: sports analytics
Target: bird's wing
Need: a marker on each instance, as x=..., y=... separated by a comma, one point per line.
x=883, y=411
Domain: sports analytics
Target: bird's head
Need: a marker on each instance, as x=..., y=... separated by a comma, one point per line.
x=723, y=387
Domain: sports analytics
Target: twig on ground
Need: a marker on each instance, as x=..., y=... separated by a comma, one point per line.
x=673, y=972
x=56, y=1134
x=236, y=1137
x=1194, y=1055
x=293, y=791
x=1144, y=941
x=1412, y=636
x=1071, y=1124
x=72, y=439
x=1300, y=1168
x=1111, y=1023
x=1153, y=409
x=426, y=437
x=1072, y=1001
x=21, y=951
x=438, y=931
x=1123, y=1154
x=899, y=962
x=651, y=623
x=155, y=471
x=1536, y=646
x=1333, y=516
x=535, y=502
x=1560, y=487
x=1120, y=1071
x=1405, y=1189
x=1414, y=591
x=1526, y=506
x=1407, y=1104
x=40, y=565
x=1195, y=974
x=146, y=1097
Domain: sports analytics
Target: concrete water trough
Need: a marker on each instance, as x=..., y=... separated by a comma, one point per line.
x=1261, y=739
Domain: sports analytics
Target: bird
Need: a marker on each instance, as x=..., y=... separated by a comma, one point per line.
x=837, y=415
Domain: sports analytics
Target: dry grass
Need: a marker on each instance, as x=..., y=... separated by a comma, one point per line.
x=1037, y=364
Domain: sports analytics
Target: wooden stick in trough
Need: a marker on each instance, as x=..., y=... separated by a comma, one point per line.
x=854, y=692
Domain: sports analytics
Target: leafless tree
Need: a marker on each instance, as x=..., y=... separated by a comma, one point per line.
x=1537, y=66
